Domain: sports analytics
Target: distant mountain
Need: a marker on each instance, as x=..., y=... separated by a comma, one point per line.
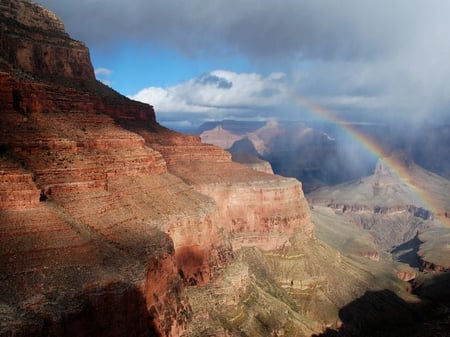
x=385, y=188
x=323, y=153
x=316, y=154
x=236, y=127
x=220, y=137
x=387, y=207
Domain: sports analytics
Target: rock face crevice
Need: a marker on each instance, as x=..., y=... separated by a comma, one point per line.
x=106, y=217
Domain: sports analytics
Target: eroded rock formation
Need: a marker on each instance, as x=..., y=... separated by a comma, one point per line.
x=34, y=42
x=393, y=208
x=105, y=216
x=254, y=163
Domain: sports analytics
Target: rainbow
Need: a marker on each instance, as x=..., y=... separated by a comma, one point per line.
x=420, y=195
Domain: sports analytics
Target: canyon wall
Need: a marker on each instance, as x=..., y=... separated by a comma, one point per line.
x=106, y=217
x=257, y=209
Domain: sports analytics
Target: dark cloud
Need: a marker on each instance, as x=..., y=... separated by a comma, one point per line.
x=261, y=28
x=210, y=79
x=392, y=52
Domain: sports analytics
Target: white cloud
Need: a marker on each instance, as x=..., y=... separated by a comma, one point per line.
x=103, y=75
x=218, y=94
x=102, y=72
x=222, y=94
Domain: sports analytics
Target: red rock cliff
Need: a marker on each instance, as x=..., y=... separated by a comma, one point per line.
x=33, y=40
x=105, y=216
x=258, y=209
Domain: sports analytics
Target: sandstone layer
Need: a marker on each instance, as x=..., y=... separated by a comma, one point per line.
x=107, y=217
x=257, y=209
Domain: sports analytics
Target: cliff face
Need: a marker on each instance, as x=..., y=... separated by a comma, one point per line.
x=34, y=41
x=257, y=209
x=105, y=216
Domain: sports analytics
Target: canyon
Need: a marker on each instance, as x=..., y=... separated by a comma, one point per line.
x=322, y=153
x=316, y=153
x=398, y=212
x=113, y=225
x=396, y=203
x=103, y=212
x=386, y=207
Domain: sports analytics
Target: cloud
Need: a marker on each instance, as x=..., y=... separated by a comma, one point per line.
x=102, y=72
x=304, y=28
x=219, y=94
x=214, y=80
x=393, y=51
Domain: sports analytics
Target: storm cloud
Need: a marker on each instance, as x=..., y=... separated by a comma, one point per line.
x=384, y=58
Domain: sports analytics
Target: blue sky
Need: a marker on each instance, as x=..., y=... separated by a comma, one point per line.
x=364, y=60
x=133, y=66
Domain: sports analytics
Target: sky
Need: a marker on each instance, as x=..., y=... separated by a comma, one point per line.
x=197, y=60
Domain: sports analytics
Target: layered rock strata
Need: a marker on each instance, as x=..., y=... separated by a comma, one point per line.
x=106, y=216
x=257, y=209
x=412, y=203
x=17, y=189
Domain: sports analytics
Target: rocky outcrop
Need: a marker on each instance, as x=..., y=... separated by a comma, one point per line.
x=220, y=137
x=374, y=256
x=433, y=267
x=33, y=41
x=44, y=97
x=253, y=162
x=263, y=166
x=261, y=213
x=390, y=226
x=257, y=209
x=58, y=279
x=406, y=276
x=433, y=252
x=248, y=200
